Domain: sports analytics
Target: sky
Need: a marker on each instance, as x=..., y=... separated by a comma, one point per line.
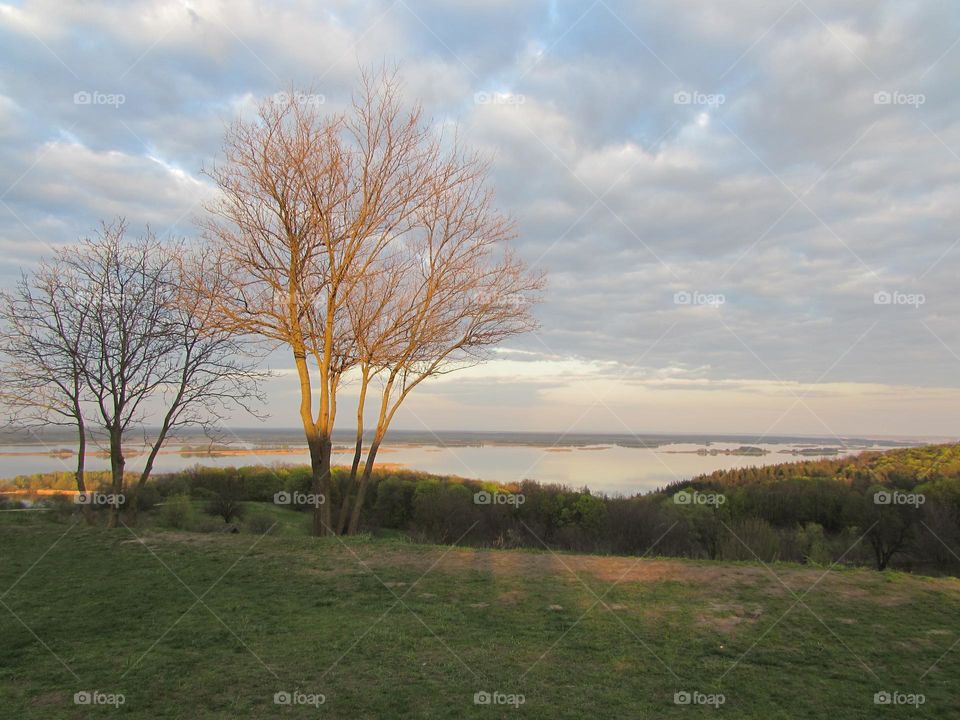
x=747, y=212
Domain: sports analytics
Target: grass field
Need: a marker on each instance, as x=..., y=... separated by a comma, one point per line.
x=187, y=625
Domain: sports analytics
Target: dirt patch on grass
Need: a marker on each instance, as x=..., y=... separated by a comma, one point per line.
x=724, y=625
x=511, y=597
x=865, y=589
x=51, y=698
x=188, y=538
x=727, y=617
x=862, y=586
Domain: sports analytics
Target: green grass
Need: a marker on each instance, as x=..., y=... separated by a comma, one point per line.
x=287, y=612
x=288, y=524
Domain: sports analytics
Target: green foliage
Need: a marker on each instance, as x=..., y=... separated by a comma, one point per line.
x=60, y=480
x=143, y=499
x=224, y=496
x=178, y=512
x=813, y=545
x=168, y=484
x=750, y=539
x=443, y=512
x=393, y=505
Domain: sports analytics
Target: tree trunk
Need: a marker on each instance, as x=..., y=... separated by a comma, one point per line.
x=80, y=473
x=320, y=451
x=362, y=488
x=117, y=462
x=133, y=506
x=357, y=456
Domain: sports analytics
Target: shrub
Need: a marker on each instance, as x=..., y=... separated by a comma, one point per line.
x=443, y=511
x=751, y=539
x=259, y=523
x=206, y=525
x=223, y=494
x=11, y=504
x=813, y=546
x=143, y=500
x=172, y=484
x=638, y=525
x=260, y=484
x=393, y=507
x=227, y=506
x=177, y=512
x=296, y=479
x=590, y=513
x=62, y=507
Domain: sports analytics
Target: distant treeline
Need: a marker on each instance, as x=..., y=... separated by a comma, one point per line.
x=899, y=508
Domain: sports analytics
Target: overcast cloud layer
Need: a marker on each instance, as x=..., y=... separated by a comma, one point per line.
x=748, y=212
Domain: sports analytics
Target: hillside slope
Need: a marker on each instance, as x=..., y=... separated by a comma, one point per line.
x=213, y=626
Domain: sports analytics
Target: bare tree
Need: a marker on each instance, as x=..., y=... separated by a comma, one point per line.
x=112, y=332
x=208, y=368
x=456, y=299
x=321, y=224
x=44, y=343
x=129, y=286
x=375, y=312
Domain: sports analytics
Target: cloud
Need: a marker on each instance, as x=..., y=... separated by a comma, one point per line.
x=813, y=163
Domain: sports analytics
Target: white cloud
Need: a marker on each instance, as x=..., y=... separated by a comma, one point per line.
x=698, y=198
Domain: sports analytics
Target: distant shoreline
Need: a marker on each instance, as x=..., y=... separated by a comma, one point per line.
x=221, y=451
x=56, y=438
x=139, y=451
